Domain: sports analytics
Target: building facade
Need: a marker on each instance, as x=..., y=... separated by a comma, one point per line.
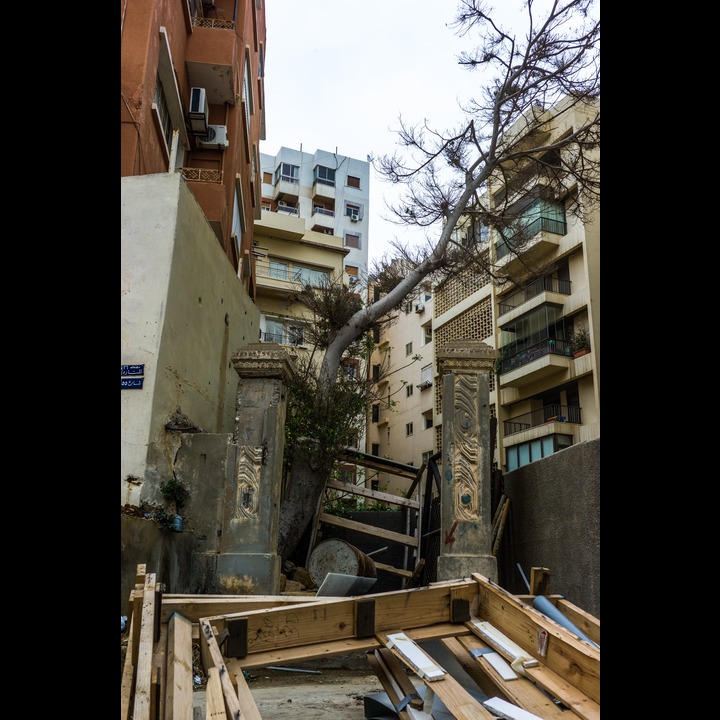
x=545, y=394
x=330, y=193
x=191, y=120
x=192, y=102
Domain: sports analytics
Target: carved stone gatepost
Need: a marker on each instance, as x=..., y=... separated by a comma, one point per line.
x=465, y=511
x=248, y=562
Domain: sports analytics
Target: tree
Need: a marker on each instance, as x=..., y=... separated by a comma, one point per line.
x=465, y=178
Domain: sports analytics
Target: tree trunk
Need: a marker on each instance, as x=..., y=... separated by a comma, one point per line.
x=298, y=507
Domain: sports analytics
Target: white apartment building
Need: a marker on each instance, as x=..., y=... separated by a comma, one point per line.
x=330, y=192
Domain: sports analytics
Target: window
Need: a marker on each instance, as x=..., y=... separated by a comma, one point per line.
x=163, y=111
x=353, y=181
x=409, y=389
x=408, y=428
x=408, y=349
x=346, y=474
x=375, y=449
x=376, y=413
x=427, y=334
x=376, y=373
x=376, y=333
x=374, y=484
x=350, y=367
x=525, y=453
x=408, y=308
x=426, y=374
x=296, y=335
x=426, y=456
x=324, y=175
x=352, y=240
x=427, y=419
x=288, y=173
x=352, y=210
x=279, y=270
x=267, y=178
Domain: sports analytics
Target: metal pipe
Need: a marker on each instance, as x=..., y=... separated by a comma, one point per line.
x=542, y=604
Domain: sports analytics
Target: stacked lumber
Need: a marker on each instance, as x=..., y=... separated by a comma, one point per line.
x=529, y=665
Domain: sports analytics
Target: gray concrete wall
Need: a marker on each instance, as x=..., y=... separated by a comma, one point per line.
x=555, y=523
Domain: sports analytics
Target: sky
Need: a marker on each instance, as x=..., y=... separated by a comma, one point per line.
x=340, y=73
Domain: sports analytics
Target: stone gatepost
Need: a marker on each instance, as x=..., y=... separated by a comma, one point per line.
x=248, y=562
x=465, y=498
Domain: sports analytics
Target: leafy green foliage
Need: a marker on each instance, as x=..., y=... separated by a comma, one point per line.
x=174, y=491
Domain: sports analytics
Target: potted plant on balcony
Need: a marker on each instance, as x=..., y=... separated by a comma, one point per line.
x=580, y=341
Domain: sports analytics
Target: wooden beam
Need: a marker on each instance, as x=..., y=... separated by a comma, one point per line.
x=245, y=696
x=565, y=654
x=336, y=647
x=143, y=669
x=179, y=686
x=374, y=494
x=127, y=684
x=539, y=581
x=409, y=540
x=194, y=607
x=159, y=663
x=308, y=623
x=461, y=704
x=560, y=688
x=215, y=659
x=214, y=701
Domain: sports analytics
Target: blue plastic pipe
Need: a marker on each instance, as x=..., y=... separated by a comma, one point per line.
x=542, y=604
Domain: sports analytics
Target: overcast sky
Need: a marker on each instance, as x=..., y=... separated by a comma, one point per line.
x=339, y=73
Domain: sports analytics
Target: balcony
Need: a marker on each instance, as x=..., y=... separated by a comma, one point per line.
x=287, y=190
x=282, y=339
x=543, y=416
x=323, y=219
x=537, y=361
x=537, y=239
x=323, y=189
x=212, y=61
x=535, y=289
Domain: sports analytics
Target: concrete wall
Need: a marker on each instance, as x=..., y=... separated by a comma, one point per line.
x=554, y=522
x=184, y=312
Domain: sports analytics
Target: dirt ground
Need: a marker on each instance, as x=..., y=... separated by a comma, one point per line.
x=333, y=693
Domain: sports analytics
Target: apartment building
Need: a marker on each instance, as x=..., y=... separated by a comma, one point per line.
x=401, y=422
x=191, y=119
x=545, y=394
x=192, y=102
x=329, y=192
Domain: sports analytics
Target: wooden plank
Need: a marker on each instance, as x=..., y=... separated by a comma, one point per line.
x=539, y=581
x=500, y=527
x=245, y=696
x=159, y=662
x=565, y=654
x=137, y=612
x=127, y=685
x=194, y=607
x=394, y=570
x=337, y=647
x=461, y=704
x=308, y=623
x=372, y=461
x=589, y=624
x=374, y=494
x=483, y=674
x=402, y=693
x=507, y=710
x=179, y=686
x=214, y=701
x=215, y=659
x=409, y=540
x=413, y=655
x=560, y=688
x=143, y=669
x=523, y=692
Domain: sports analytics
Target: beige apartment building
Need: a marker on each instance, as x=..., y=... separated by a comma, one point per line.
x=546, y=393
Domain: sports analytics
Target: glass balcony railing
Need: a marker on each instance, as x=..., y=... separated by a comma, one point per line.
x=517, y=241
x=539, y=286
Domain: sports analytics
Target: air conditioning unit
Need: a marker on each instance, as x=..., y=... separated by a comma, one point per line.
x=425, y=384
x=354, y=217
x=419, y=308
x=199, y=112
x=215, y=139
x=352, y=279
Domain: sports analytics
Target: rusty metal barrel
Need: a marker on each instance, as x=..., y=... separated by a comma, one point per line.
x=337, y=556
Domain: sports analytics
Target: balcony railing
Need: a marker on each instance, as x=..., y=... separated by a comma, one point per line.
x=201, y=175
x=277, y=273
x=323, y=211
x=542, y=224
x=214, y=23
x=288, y=210
x=281, y=339
x=541, y=285
x=534, y=352
x=550, y=413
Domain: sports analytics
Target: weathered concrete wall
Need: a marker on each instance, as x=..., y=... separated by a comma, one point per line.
x=555, y=523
